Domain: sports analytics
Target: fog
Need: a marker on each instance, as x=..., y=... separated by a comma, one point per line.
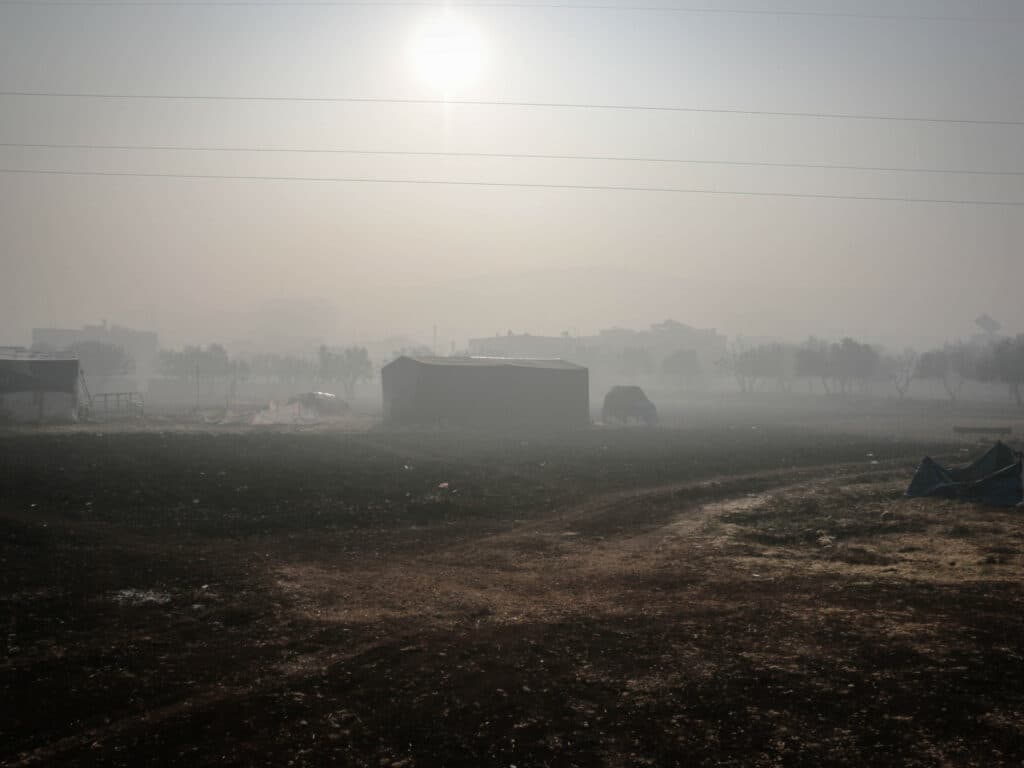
x=280, y=262
x=463, y=383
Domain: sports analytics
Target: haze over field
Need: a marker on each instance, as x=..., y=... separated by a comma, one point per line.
x=413, y=383
x=242, y=258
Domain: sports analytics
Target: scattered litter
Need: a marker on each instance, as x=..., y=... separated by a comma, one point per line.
x=442, y=485
x=305, y=408
x=140, y=597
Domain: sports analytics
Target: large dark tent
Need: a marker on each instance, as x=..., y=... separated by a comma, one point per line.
x=485, y=391
x=994, y=479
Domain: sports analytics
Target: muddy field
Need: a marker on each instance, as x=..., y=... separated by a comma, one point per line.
x=726, y=596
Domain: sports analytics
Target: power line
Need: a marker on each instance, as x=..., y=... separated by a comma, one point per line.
x=512, y=156
x=518, y=5
x=489, y=103
x=516, y=185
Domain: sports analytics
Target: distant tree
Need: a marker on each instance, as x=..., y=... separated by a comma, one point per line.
x=682, y=363
x=737, y=363
x=851, y=361
x=347, y=367
x=101, y=360
x=285, y=369
x=1005, y=363
x=952, y=365
x=636, y=361
x=812, y=362
x=198, y=363
x=933, y=365
x=988, y=324
x=209, y=362
x=900, y=370
x=752, y=365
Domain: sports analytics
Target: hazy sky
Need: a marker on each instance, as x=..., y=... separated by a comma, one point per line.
x=205, y=260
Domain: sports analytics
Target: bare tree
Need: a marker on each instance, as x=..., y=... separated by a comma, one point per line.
x=1005, y=363
x=346, y=367
x=901, y=369
x=812, y=362
x=952, y=365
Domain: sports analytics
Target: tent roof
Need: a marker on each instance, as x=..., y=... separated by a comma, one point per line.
x=492, y=362
x=22, y=354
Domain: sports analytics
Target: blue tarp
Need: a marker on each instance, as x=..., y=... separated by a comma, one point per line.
x=994, y=479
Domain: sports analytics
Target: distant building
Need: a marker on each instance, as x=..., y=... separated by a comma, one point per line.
x=527, y=345
x=482, y=391
x=664, y=339
x=37, y=388
x=143, y=347
x=607, y=353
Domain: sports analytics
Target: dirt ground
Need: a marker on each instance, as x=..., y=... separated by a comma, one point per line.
x=727, y=596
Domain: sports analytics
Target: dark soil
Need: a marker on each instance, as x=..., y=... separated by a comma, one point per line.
x=624, y=597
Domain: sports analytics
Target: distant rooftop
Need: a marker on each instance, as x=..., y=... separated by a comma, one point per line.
x=495, y=362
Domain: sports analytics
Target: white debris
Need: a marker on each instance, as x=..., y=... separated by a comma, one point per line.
x=140, y=597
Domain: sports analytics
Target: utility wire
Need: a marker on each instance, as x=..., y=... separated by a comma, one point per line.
x=516, y=185
x=511, y=156
x=489, y=103
x=518, y=5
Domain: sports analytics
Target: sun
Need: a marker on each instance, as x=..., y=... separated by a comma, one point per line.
x=447, y=53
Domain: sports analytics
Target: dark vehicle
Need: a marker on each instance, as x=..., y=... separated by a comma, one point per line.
x=628, y=403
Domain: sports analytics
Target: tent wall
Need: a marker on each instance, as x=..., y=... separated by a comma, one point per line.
x=38, y=391
x=38, y=408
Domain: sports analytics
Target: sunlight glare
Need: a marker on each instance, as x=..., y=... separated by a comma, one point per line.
x=447, y=53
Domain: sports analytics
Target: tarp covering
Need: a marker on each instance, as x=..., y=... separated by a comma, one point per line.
x=994, y=479
x=995, y=458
